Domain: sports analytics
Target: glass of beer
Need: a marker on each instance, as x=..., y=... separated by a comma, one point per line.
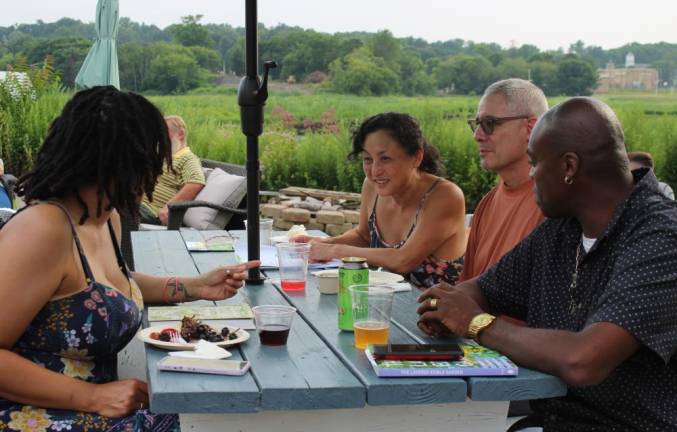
x=372, y=307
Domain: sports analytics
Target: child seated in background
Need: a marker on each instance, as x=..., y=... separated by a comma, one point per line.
x=5, y=200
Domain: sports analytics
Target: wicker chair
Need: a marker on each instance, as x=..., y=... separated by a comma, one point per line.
x=178, y=209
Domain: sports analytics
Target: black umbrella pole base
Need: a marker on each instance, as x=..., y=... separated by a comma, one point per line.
x=255, y=277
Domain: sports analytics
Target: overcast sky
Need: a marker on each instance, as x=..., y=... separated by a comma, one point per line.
x=544, y=23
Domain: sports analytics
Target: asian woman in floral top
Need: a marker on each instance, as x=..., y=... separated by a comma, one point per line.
x=68, y=303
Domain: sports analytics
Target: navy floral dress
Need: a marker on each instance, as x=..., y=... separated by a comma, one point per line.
x=432, y=270
x=80, y=336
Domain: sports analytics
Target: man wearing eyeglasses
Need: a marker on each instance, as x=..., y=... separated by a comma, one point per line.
x=506, y=115
x=595, y=283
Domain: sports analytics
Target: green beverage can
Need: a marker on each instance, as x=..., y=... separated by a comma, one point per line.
x=353, y=271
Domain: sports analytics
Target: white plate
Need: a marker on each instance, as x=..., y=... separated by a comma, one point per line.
x=374, y=276
x=384, y=277
x=144, y=335
x=279, y=239
x=284, y=238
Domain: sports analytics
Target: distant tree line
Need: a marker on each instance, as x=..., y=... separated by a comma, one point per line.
x=190, y=54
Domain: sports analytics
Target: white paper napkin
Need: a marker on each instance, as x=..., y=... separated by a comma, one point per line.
x=401, y=286
x=204, y=350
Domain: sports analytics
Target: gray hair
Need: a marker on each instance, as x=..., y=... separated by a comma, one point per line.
x=521, y=97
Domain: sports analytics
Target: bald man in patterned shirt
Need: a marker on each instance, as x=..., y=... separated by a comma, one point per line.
x=596, y=283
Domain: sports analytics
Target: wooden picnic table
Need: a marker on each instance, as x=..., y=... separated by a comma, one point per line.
x=318, y=380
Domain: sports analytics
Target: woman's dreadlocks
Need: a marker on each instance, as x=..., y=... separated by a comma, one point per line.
x=115, y=140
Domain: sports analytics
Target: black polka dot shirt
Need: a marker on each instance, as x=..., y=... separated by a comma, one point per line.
x=628, y=278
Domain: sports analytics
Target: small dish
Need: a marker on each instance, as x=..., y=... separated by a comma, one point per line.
x=279, y=239
x=144, y=335
x=327, y=280
x=384, y=277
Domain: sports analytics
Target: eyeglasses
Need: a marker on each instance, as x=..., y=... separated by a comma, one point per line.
x=489, y=123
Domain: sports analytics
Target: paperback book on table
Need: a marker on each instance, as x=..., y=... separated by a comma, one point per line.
x=201, y=312
x=477, y=361
x=217, y=245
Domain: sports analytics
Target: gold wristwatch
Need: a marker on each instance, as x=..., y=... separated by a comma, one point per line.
x=479, y=323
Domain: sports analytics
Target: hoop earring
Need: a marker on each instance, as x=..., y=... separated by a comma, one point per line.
x=568, y=180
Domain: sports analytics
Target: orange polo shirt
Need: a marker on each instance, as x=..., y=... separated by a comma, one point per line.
x=502, y=219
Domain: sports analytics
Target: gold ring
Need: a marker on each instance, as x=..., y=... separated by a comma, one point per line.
x=433, y=303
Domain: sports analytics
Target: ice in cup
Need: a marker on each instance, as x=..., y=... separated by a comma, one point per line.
x=372, y=308
x=273, y=323
x=293, y=262
x=265, y=230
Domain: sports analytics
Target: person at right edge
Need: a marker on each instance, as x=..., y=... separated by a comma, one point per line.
x=596, y=283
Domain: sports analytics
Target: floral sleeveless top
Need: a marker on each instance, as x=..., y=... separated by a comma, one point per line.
x=80, y=336
x=432, y=270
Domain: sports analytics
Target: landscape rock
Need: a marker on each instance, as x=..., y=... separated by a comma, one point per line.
x=330, y=217
x=282, y=224
x=296, y=215
x=314, y=225
x=272, y=210
x=334, y=229
x=351, y=216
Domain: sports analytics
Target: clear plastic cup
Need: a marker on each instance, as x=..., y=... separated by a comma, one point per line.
x=273, y=323
x=265, y=230
x=372, y=309
x=293, y=262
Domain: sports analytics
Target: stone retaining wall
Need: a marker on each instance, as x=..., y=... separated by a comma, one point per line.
x=310, y=212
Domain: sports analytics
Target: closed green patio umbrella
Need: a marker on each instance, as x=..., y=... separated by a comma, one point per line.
x=101, y=65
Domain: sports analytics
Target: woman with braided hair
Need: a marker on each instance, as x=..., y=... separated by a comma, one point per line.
x=68, y=302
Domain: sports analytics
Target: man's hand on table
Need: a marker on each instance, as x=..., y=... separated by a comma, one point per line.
x=451, y=310
x=222, y=282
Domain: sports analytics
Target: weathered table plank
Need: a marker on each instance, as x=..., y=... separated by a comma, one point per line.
x=161, y=253
x=319, y=310
x=529, y=384
x=304, y=374
x=173, y=392
x=319, y=368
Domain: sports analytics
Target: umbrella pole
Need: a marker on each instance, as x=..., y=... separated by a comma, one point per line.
x=251, y=96
x=253, y=237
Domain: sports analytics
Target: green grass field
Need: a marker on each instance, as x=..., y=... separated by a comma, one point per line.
x=307, y=136
x=317, y=159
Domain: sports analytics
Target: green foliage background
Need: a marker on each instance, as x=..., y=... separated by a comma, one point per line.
x=189, y=54
x=307, y=137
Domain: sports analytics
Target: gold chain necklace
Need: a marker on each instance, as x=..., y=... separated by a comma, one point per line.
x=573, y=305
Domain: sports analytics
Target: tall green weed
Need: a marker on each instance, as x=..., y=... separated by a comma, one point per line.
x=27, y=108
